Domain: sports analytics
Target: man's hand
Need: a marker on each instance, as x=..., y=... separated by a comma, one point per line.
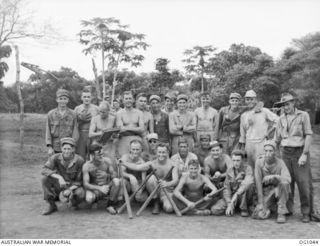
x=230, y=210
x=191, y=205
x=216, y=175
x=240, y=176
x=163, y=184
x=104, y=189
x=260, y=206
x=267, y=180
x=62, y=183
x=234, y=199
x=67, y=192
x=50, y=151
x=302, y=160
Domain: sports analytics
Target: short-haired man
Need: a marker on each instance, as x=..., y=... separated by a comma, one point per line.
x=294, y=135
x=162, y=165
x=255, y=127
x=272, y=182
x=62, y=174
x=239, y=184
x=191, y=189
x=169, y=100
x=131, y=124
x=228, y=124
x=100, y=179
x=182, y=123
x=135, y=178
x=217, y=164
x=183, y=157
x=160, y=120
x=151, y=153
x=203, y=150
x=206, y=117
x=85, y=112
x=61, y=123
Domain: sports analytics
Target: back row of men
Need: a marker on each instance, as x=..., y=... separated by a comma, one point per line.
x=178, y=131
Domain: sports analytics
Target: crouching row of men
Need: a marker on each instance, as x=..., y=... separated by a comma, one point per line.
x=68, y=178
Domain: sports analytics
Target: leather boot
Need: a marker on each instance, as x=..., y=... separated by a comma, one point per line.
x=51, y=208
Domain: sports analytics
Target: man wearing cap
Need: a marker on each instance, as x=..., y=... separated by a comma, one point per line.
x=183, y=157
x=182, y=123
x=116, y=106
x=255, y=127
x=272, y=183
x=206, y=117
x=151, y=153
x=131, y=124
x=160, y=120
x=85, y=112
x=100, y=179
x=294, y=134
x=169, y=106
x=62, y=177
x=238, y=184
x=217, y=164
x=61, y=123
x=228, y=124
x=203, y=150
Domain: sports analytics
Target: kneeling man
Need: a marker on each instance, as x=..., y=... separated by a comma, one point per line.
x=100, y=179
x=62, y=177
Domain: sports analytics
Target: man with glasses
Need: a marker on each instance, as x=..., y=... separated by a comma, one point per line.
x=151, y=153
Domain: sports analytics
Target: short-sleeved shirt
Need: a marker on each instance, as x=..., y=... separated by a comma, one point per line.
x=183, y=166
x=71, y=171
x=292, y=130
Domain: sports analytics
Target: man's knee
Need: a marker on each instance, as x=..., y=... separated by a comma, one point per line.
x=167, y=207
x=116, y=182
x=80, y=193
x=90, y=197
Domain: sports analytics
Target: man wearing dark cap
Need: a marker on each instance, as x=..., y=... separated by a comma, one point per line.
x=272, y=179
x=169, y=106
x=160, y=120
x=228, y=124
x=293, y=134
x=206, y=117
x=61, y=123
x=100, y=179
x=182, y=123
x=203, y=150
x=62, y=177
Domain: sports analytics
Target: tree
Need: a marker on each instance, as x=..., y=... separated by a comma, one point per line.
x=119, y=45
x=196, y=61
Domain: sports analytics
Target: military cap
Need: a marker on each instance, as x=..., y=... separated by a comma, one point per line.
x=250, y=93
x=152, y=136
x=215, y=144
x=67, y=141
x=270, y=143
x=182, y=97
x=286, y=97
x=235, y=95
x=155, y=97
x=62, y=92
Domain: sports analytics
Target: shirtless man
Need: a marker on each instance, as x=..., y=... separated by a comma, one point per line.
x=151, y=153
x=206, y=117
x=85, y=112
x=135, y=178
x=182, y=123
x=101, y=122
x=191, y=189
x=162, y=165
x=131, y=124
x=203, y=150
x=169, y=106
x=100, y=179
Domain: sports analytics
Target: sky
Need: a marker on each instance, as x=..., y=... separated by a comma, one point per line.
x=170, y=26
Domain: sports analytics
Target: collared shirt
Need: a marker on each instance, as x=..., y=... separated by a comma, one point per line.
x=71, y=171
x=254, y=125
x=240, y=185
x=187, y=120
x=81, y=112
x=60, y=126
x=183, y=165
x=292, y=130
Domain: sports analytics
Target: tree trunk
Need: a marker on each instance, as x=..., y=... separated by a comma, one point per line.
x=20, y=97
x=96, y=80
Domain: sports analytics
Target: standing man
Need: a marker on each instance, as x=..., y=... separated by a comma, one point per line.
x=61, y=123
x=131, y=124
x=62, y=177
x=206, y=117
x=228, y=124
x=203, y=150
x=255, y=128
x=182, y=123
x=100, y=179
x=160, y=120
x=273, y=184
x=169, y=105
x=85, y=112
x=294, y=135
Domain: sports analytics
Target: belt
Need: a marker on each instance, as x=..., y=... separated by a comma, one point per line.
x=289, y=148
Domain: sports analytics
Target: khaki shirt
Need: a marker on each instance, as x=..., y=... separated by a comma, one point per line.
x=187, y=120
x=183, y=166
x=81, y=111
x=59, y=126
x=292, y=133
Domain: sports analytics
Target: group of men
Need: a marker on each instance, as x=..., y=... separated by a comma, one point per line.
x=209, y=162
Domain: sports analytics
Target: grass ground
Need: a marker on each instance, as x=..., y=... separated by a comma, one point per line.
x=21, y=202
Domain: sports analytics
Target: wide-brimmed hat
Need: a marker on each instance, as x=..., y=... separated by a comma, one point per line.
x=286, y=97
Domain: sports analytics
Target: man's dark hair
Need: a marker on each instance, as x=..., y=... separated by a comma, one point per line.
x=238, y=152
x=94, y=147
